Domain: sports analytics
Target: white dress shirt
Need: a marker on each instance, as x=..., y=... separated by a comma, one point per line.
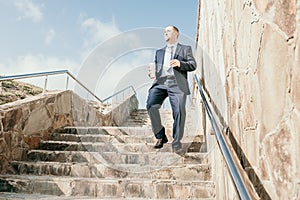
x=167, y=69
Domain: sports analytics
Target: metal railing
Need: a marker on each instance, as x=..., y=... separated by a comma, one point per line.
x=118, y=97
x=119, y=92
x=49, y=73
x=236, y=177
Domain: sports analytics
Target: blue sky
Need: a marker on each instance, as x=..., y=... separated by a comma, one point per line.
x=44, y=35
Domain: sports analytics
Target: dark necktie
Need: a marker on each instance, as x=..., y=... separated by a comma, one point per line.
x=171, y=52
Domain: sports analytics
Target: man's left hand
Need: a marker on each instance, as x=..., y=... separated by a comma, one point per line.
x=175, y=63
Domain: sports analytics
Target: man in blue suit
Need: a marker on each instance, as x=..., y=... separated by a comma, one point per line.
x=171, y=66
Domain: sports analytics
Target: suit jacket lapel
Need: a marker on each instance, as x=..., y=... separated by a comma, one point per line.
x=160, y=59
x=161, y=56
x=178, y=49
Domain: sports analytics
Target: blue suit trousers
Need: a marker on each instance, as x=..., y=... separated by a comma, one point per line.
x=157, y=94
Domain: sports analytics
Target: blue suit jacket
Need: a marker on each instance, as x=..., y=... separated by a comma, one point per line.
x=187, y=63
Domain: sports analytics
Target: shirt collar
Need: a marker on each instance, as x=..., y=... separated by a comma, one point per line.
x=172, y=45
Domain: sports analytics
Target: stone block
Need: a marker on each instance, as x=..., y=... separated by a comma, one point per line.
x=80, y=170
x=262, y=5
x=181, y=191
x=3, y=164
x=134, y=190
x=16, y=139
x=163, y=190
x=251, y=148
x=282, y=13
x=200, y=190
x=285, y=16
x=295, y=127
x=273, y=73
x=63, y=103
x=32, y=141
x=295, y=80
x=243, y=42
x=108, y=189
x=61, y=120
x=3, y=146
x=84, y=188
x=38, y=116
x=264, y=169
x=247, y=93
x=278, y=148
x=11, y=118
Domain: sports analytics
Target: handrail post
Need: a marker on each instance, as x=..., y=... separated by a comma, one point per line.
x=67, y=84
x=45, y=85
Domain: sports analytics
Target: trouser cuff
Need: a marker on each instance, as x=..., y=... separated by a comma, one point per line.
x=161, y=134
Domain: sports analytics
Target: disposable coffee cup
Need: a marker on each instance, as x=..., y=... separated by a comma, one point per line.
x=151, y=70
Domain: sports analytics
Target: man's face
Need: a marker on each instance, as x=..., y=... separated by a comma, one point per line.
x=170, y=34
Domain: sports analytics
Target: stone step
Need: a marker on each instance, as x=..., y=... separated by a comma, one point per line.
x=129, y=134
x=120, y=132
x=109, y=130
x=106, y=188
x=82, y=138
x=191, y=172
x=102, y=138
x=195, y=142
x=22, y=196
x=113, y=147
x=93, y=157
x=159, y=158
x=136, y=122
x=77, y=146
x=140, y=118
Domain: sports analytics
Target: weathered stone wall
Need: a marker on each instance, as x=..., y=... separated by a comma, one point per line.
x=121, y=113
x=24, y=123
x=251, y=72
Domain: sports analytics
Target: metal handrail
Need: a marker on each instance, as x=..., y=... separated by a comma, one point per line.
x=40, y=74
x=238, y=182
x=115, y=94
x=32, y=75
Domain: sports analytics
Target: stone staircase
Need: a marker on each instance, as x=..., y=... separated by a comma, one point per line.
x=110, y=163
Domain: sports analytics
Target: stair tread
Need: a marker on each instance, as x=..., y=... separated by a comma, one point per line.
x=16, y=178
x=195, y=155
x=192, y=172
x=87, y=164
x=20, y=196
x=135, y=143
x=115, y=158
x=103, y=127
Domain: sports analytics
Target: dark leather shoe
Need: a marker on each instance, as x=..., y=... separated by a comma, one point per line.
x=160, y=143
x=165, y=140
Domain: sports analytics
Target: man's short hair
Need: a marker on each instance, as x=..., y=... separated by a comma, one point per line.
x=176, y=29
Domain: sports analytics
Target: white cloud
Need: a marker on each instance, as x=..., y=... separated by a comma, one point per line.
x=30, y=10
x=97, y=31
x=49, y=36
x=30, y=62
x=39, y=63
